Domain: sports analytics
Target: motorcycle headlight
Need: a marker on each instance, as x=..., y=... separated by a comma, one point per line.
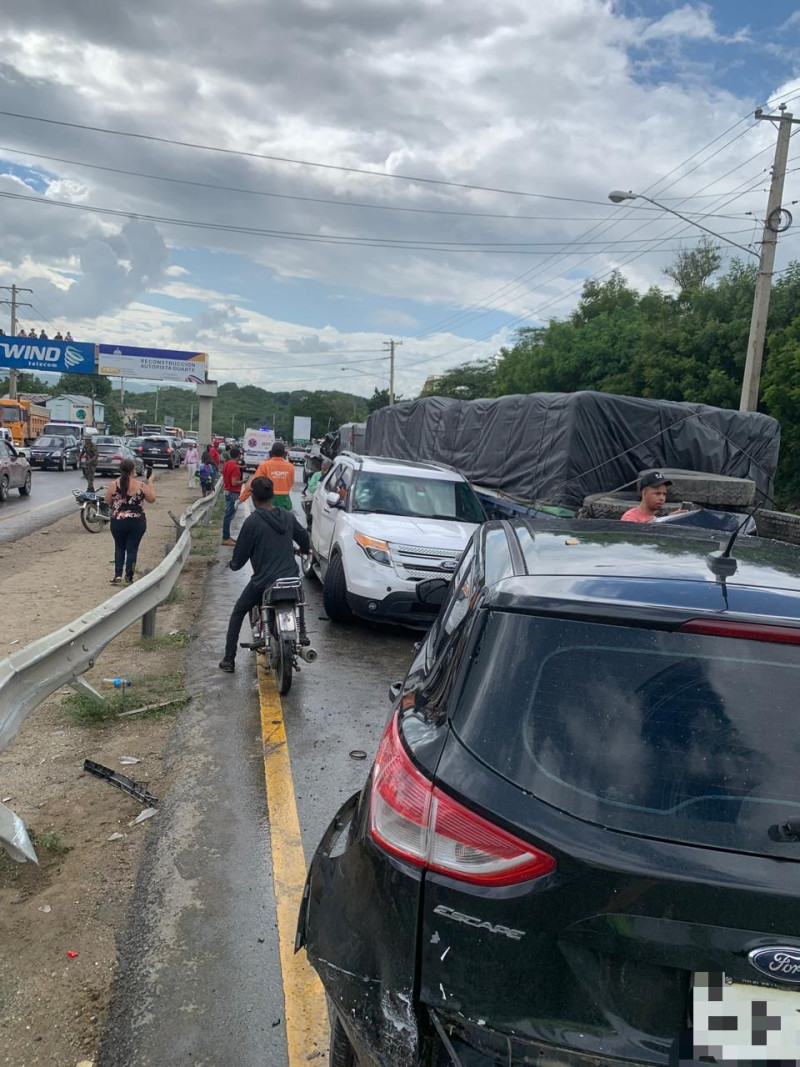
x=377, y=550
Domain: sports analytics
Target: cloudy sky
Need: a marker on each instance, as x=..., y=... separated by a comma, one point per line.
x=290, y=233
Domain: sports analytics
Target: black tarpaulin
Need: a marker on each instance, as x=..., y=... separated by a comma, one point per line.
x=558, y=448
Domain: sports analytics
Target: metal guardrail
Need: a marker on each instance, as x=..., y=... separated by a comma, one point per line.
x=30, y=675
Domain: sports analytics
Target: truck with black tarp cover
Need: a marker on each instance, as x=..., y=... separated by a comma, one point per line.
x=557, y=449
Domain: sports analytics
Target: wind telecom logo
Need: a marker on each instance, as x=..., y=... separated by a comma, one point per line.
x=48, y=355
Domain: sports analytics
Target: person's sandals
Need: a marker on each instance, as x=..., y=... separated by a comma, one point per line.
x=116, y=580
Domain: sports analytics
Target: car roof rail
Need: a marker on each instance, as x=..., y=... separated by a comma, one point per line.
x=350, y=455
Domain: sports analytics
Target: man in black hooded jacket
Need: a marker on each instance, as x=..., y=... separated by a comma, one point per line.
x=266, y=539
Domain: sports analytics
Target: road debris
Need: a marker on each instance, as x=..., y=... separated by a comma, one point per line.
x=121, y=781
x=46, y=909
x=128, y=761
x=72, y=954
x=148, y=813
x=115, y=837
x=357, y=753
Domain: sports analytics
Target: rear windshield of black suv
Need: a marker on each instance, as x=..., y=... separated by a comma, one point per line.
x=677, y=736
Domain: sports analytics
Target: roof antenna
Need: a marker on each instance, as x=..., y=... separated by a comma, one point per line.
x=722, y=564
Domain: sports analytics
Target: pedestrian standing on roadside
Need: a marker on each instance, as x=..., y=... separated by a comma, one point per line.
x=190, y=461
x=90, y=461
x=232, y=484
x=126, y=498
x=280, y=472
x=211, y=456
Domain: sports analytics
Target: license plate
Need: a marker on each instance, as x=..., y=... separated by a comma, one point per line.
x=739, y=1021
x=286, y=621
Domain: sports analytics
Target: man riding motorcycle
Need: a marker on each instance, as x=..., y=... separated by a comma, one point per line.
x=266, y=540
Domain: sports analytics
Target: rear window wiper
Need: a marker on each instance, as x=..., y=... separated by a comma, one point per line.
x=785, y=831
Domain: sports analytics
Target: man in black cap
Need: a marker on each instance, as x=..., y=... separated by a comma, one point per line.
x=653, y=490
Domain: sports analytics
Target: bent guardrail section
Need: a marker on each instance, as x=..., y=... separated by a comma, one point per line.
x=30, y=675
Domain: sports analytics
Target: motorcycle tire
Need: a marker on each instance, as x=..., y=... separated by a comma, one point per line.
x=4, y=487
x=307, y=565
x=25, y=489
x=283, y=667
x=62, y=464
x=75, y=465
x=91, y=520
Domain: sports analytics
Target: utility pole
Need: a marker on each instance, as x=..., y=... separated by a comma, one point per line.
x=773, y=225
x=13, y=373
x=390, y=346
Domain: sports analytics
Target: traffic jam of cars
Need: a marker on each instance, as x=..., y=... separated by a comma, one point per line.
x=582, y=823
x=576, y=821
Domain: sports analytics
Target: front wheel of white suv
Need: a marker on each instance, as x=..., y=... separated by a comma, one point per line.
x=334, y=591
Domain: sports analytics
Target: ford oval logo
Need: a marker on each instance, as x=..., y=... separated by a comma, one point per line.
x=781, y=963
x=448, y=564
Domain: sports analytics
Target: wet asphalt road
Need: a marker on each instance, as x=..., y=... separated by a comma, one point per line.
x=200, y=979
x=51, y=499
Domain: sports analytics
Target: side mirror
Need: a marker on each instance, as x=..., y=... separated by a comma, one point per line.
x=333, y=500
x=432, y=590
x=394, y=691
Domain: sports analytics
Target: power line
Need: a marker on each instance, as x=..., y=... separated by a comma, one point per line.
x=473, y=248
x=487, y=306
x=173, y=142
x=520, y=283
x=317, y=199
x=537, y=313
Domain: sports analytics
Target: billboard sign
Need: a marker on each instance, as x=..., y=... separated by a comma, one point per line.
x=161, y=364
x=22, y=353
x=302, y=428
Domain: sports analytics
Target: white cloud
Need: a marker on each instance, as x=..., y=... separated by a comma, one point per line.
x=391, y=319
x=689, y=21
x=513, y=95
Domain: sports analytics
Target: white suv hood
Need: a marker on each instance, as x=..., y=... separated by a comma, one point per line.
x=399, y=529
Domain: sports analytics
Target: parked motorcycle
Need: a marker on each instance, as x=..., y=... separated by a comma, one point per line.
x=279, y=630
x=95, y=513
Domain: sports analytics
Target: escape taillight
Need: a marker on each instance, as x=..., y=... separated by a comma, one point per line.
x=414, y=820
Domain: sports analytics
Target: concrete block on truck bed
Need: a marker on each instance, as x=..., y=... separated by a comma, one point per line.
x=711, y=489
x=779, y=525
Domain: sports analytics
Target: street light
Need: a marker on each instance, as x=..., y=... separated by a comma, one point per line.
x=616, y=196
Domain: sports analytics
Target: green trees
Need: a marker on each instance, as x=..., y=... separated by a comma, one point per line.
x=236, y=408
x=688, y=345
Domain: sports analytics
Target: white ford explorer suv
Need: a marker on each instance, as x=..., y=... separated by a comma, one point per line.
x=379, y=526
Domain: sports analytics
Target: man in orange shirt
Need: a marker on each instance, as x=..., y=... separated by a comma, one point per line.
x=280, y=472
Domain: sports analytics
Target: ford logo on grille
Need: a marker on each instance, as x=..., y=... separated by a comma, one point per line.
x=781, y=963
x=448, y=564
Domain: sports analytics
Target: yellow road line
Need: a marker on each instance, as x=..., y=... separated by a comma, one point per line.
x=305, y=1008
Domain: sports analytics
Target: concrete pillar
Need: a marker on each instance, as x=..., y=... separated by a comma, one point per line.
x=205, y=400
